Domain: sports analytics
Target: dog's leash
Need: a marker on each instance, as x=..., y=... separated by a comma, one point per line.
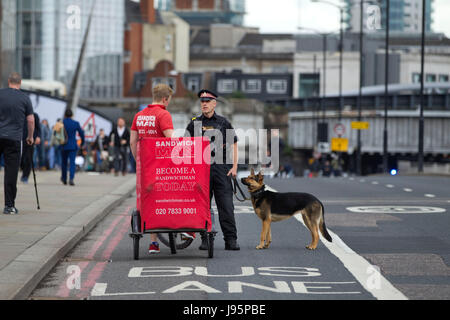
x=235, y=188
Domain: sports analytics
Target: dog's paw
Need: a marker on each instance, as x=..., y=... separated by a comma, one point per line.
x=259, y=247
x=311, y=248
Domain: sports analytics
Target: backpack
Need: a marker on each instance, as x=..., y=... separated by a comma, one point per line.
x=59, y=137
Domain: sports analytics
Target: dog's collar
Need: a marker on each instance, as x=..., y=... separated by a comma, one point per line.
x=259, y=193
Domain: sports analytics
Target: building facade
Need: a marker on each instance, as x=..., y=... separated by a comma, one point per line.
x=311, y=79
x=405, y=15
x=49, y=37
x=7, y=38
x=153, y=36
x=264, y=87
x=206, y=12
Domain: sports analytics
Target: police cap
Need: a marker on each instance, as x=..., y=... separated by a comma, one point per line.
x=207, y=95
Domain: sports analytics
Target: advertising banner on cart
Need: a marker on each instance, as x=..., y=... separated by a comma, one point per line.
x=173, y=183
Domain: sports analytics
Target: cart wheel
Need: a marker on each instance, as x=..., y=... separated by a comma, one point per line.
x=210, y=245
x=136, y=247
x=179, y=244
x=173, y=247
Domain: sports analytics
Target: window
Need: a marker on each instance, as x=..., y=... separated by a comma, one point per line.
x=26, y=29
x=309, y=85
x=430, y=78
x=193, y=84
x=168, y=43
x=443, y=78
x=227, y=85
x=171, y=82
x=251, y=86
x=26, y=65
x=276, y=86
x=38, y=28
x=416, y=77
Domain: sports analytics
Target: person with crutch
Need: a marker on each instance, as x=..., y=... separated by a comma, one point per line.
x=15, y=110
x=27, y=160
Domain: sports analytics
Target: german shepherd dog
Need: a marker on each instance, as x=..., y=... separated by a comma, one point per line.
x=273, y=207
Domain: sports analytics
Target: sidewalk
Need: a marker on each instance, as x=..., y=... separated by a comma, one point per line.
x=32, y=242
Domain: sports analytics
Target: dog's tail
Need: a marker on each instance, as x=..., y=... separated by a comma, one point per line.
x=323, y=227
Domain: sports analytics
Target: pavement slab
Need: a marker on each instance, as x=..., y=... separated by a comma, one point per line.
x=33, y=242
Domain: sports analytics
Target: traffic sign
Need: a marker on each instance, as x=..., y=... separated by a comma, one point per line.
x=360, y=125
x=89, y=127
x=339, y=144
x=339, y=129
x=323, y=147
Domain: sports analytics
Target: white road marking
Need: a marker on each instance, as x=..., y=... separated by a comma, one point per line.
x=395, y=209
x=390, y=186
x=99, y=290
x=430, y=195
x=375, y=182
x=360, y=268
x=408, y=190
x=362, y=180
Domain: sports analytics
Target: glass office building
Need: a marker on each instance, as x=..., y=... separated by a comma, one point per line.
x=7, y=39
x=225, y=11
x=405, y=15
x=49, y=38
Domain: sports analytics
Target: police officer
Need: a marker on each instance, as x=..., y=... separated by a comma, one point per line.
x=223, y=167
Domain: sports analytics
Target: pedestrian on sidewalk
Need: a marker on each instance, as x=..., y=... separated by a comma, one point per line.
x=70, y=149
x=101, y=147
x=120, y=140
x=44, y=147
x=15, y=110
x=161, y=128
x=27, y=160
x=58, y=139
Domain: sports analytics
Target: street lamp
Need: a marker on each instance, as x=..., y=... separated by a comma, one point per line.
x=361, y=80
x=386, y=91
x=422, y=98
x=341, y=48
x=324, y=47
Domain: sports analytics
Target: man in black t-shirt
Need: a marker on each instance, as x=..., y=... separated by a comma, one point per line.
x=15, y=107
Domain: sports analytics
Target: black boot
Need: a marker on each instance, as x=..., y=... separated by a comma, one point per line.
x=231, y=245
x=204, y=245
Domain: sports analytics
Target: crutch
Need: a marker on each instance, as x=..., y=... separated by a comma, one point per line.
x=35, y=184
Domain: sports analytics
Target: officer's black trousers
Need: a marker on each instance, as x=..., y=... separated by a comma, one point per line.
x=222, y=189
x=11, y=152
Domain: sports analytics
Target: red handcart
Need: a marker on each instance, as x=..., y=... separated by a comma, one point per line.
x=172, y=189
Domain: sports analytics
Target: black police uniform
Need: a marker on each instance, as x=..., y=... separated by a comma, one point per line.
x=220, y=185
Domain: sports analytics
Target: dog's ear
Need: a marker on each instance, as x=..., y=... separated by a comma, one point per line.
x=260, y=177
x=252, y=172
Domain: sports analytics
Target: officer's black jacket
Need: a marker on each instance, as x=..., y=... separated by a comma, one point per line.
x=216, y=122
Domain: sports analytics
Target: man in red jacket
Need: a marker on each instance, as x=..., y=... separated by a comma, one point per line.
x=160, y=126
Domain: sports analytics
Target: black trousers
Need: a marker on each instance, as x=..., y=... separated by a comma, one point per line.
x=120, y=159
x=222, y=189
x=27, y=160
x=11, y=152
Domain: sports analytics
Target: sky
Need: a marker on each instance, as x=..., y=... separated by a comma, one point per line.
x=287, y=15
